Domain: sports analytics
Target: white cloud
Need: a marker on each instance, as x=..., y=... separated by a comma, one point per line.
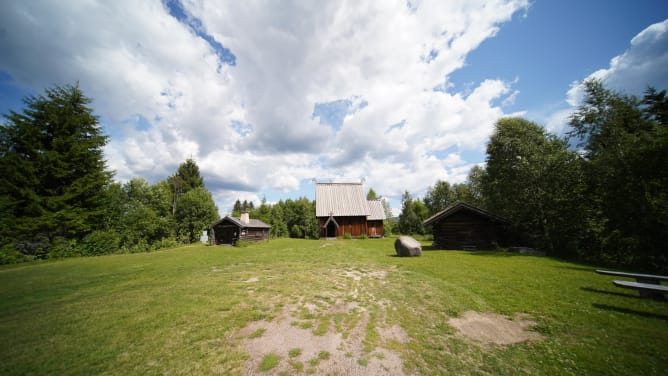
x=135, y=59
x=643, y=64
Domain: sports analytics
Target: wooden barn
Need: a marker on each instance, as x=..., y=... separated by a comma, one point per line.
x=463, y=226
x=342, y=208
x=229, y=230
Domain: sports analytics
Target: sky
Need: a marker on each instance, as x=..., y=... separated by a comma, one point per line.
x=269, y=96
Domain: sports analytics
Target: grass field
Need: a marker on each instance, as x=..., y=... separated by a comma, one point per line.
x=216, y=310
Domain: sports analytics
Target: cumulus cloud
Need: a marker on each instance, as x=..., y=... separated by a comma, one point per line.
x=236, y=85
x=643, y=64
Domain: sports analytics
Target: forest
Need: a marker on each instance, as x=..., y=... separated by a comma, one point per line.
x=597, y=194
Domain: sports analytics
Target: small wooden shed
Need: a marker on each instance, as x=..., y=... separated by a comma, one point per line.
x=230, y=230
x=464, y=226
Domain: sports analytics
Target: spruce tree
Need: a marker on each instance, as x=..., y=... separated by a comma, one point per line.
x=53, y=170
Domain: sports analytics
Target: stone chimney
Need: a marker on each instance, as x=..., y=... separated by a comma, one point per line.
x=244, y=217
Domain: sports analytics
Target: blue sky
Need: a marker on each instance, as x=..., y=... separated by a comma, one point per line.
x=268, y=96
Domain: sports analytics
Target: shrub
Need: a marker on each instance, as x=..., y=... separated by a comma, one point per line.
x=36, y=246
x=363, y=237
x=61, y=248
x=347, y=236
x=9, y=255
x=164, y=243
x=100, y=243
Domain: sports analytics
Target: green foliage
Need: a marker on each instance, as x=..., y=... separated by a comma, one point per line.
x=242, y=207
x=625, y=146
x=535, y=181
x=61, y=248
x=474, y=183
x=195, y=212
x=347, y=235
x=439, y=197
x=140, y=213
x=442, y=195
x=189, y=173
x=413, y=213
x=100, y=243
x=54, y=174
x=9, y=255
x=186, y=178
x=371, y=195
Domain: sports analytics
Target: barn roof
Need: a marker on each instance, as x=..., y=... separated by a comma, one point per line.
x=340, y=199
x=252, y=223
x=459, y=206
x=376, y=210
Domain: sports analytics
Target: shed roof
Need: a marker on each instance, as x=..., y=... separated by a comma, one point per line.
x=376, y=210
x=459, y=206
x=252, y=223
x=340, y=199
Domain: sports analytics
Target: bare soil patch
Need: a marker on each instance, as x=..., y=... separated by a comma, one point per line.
x=492, y=328
x=329, y=336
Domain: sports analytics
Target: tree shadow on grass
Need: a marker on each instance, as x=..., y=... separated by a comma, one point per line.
x=649, y=315
x=495, y=253
x=613, y=293
x=578, y=268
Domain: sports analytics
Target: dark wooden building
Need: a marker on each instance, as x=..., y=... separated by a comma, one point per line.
x=342, y=208
x=230, y=230
x=463, y=226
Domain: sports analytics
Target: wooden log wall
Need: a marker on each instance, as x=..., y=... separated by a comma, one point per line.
x=467, y=230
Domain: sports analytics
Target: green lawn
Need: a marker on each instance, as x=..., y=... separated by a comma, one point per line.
x=181, y=311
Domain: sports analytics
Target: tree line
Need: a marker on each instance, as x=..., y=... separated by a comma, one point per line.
x=57, y=196
x=599, y=194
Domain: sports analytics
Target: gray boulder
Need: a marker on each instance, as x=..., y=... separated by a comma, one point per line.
x=407, y=246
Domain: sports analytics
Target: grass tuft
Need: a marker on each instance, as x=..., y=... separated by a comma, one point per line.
x=258, y=333
x=269, y=361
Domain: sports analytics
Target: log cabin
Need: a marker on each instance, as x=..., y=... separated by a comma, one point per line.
x=342, y=208
x=230, y=230
x=464, y=226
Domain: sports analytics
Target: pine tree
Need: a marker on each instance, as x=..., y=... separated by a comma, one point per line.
x=189, y=174
x=53, y=170
x=186, y=178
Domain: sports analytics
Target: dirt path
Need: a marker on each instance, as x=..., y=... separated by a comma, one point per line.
x=345, y=333
x=346, y=330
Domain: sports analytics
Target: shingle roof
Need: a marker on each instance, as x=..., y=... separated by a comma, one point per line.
x=340, y=199
x=376, y=210
x=252, y=223
x=452, y=209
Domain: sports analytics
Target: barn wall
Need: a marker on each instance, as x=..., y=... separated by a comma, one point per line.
x=254, y=234
x=467, y=230
x=225, y=233
x=228, y=232
x=375, y=229
x=354, y=226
